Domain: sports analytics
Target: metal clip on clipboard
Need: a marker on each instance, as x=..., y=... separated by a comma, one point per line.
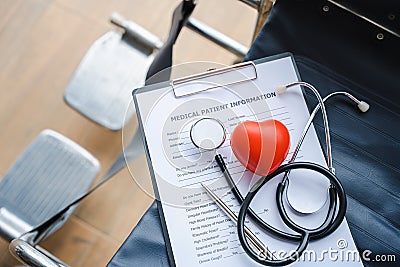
x=215, y=78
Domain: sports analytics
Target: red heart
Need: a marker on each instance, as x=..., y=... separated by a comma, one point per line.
x=261, y=146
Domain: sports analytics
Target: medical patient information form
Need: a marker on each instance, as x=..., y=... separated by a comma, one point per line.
x=197, y=231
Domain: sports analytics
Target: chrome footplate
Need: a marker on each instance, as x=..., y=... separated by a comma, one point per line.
x=117, y=63
x=52, y=172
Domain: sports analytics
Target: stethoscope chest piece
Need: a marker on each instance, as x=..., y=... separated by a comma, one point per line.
x=208, y=134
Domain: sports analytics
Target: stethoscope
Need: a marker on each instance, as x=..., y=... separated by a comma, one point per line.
x=209, y=134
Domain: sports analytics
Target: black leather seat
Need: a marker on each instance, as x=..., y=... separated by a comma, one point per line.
x=334, y=50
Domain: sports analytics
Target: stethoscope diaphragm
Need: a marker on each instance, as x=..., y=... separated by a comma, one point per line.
x=208, y=133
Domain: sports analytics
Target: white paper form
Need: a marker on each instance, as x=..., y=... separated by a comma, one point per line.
x=199, y=232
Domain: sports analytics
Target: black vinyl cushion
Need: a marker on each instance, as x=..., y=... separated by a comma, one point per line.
x=334, y=50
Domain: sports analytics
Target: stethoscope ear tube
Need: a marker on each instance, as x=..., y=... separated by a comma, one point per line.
x=330, y=224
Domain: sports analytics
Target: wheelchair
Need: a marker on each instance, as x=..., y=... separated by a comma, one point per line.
x=346, y=45
x=54, y=171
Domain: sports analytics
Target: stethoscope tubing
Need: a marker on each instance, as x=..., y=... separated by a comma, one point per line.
x=235, y=190
x=305, y=235
x=337, y=197
x=279, y=233
x=328, y=222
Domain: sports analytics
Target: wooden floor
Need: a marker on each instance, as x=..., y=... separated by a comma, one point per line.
x=41, y=43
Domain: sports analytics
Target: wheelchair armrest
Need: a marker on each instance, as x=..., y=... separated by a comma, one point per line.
x=33, y=256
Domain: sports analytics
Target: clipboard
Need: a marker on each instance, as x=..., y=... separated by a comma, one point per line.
x=188, y=90
x=180, y=92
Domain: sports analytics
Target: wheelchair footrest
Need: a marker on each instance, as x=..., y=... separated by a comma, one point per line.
x=101, y=88
x=51, y=173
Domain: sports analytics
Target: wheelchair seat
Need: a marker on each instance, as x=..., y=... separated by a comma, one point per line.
x=335, y=50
